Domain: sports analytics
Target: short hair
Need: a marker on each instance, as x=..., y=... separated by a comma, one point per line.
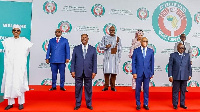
x=182, y=35
x=84, y=34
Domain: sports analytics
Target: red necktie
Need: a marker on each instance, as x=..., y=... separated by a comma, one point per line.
x=57, y=40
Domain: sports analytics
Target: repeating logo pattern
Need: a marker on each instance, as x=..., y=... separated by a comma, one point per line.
x=197, y=17
x=193, y=84
x=107, y=27
x=45, y=45
x=99, y=82
x=99, y=52
x=127, y=67
x=152, y=47
x=142, y=13
x=46, y=82
x=98, y=10
x=65, y=27
x=170, y=19
x=195, y=52
x=50, y=7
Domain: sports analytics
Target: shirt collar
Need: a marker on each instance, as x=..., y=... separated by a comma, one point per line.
x=85, y=46
x=180, y=53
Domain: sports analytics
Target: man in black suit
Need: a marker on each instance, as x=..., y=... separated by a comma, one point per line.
x=179, y=72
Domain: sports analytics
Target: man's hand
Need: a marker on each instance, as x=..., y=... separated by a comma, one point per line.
x=151, y=76
x=93, y=75
x=191, y=62
x=135, y=76
x=189, y=77
x=108, y=46
x=171, y=79
x=67, y=61
x=47, y=61
x=73, y=74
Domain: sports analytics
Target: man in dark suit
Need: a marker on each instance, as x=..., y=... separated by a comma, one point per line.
x=142, y=70
x=179, y=72
x=84, y=67
x=58, y=53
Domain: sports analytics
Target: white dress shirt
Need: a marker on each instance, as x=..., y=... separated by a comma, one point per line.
x=145, y=49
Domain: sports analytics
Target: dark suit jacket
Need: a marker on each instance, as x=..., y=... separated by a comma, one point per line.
x=179, y=68
x=142, y=65
x=58, y=52
x=79, y=64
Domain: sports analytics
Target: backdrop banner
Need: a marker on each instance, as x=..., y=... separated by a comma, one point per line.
x=14, y=13
x=162, y=22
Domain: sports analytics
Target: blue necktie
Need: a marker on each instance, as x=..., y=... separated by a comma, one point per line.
x=143, y=52
x=84, y=53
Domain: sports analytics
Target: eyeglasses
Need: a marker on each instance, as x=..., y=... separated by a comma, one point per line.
x=145, y=41
x=16, y=30
x=58, y=31
x=181, y=48
x=183, y=37
x=112, y=30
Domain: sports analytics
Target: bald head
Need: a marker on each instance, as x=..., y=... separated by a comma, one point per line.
x=180, y=48
x=144, y=42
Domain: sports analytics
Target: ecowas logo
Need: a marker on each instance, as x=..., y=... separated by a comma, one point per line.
x=99, y=52
x=170, y=19
x=127, y=67
x=166, y=68
x=45, y=45
x=151, y=84
x=99, y=82
x=197, y=17
x=69, y=66
x=152, y=47
x=193, y=84
x=50, y=7
x=65, y=27
x=142, y=13
x=98, y=10
x=107, y=27
x=46, y=82
x=195, y=51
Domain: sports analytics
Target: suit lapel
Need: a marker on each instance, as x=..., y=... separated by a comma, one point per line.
x=81, y=50
x=87, y=51
x=178, y=56
x=60, y=41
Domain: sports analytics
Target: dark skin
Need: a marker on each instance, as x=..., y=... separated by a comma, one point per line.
x=84, y=40
x=180, y=49
x=58, y=33
x=112, y=33
x=16, y=32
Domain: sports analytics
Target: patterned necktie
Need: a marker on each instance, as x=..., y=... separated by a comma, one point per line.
x=84, y=53
x=143, y=52
x=57, y=40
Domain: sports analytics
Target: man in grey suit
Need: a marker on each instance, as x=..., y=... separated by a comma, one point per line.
x=186, y=45
x=179, y=72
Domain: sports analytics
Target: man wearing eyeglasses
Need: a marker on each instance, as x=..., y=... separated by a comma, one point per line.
x=14, y=83
x=179, y=72
x=143, y=71
x=58, y=53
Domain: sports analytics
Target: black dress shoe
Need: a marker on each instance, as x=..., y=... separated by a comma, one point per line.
x=138, y=107
x=104, y=89
x=8, y=107
x=183, y=106
x=175, y=107
x=113, y=89
x=146, y=107
x=21, y=107
x=90, y=107
x=63, y=89
x=52, y=89
x=186, y=90
x=76, y=108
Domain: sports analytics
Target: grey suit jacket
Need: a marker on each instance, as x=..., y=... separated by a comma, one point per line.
x=187, y=50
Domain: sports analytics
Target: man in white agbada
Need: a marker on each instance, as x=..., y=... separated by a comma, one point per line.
x=15, y=82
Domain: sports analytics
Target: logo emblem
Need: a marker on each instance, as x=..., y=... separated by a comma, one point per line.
x=107, y=27
x=99, y=82
x=69, y=66
x=193, y=84
x=152, y=47
x=98, y=10
x=127, y=67
x=151, y=84
x=46, y=82
x=45, y=45
x=65, y=27
x=166, y=68
x=99, y=52
x=50, y=7
x=197, y=17
x=195, y=52
x=170, y=19
x=142, y=13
